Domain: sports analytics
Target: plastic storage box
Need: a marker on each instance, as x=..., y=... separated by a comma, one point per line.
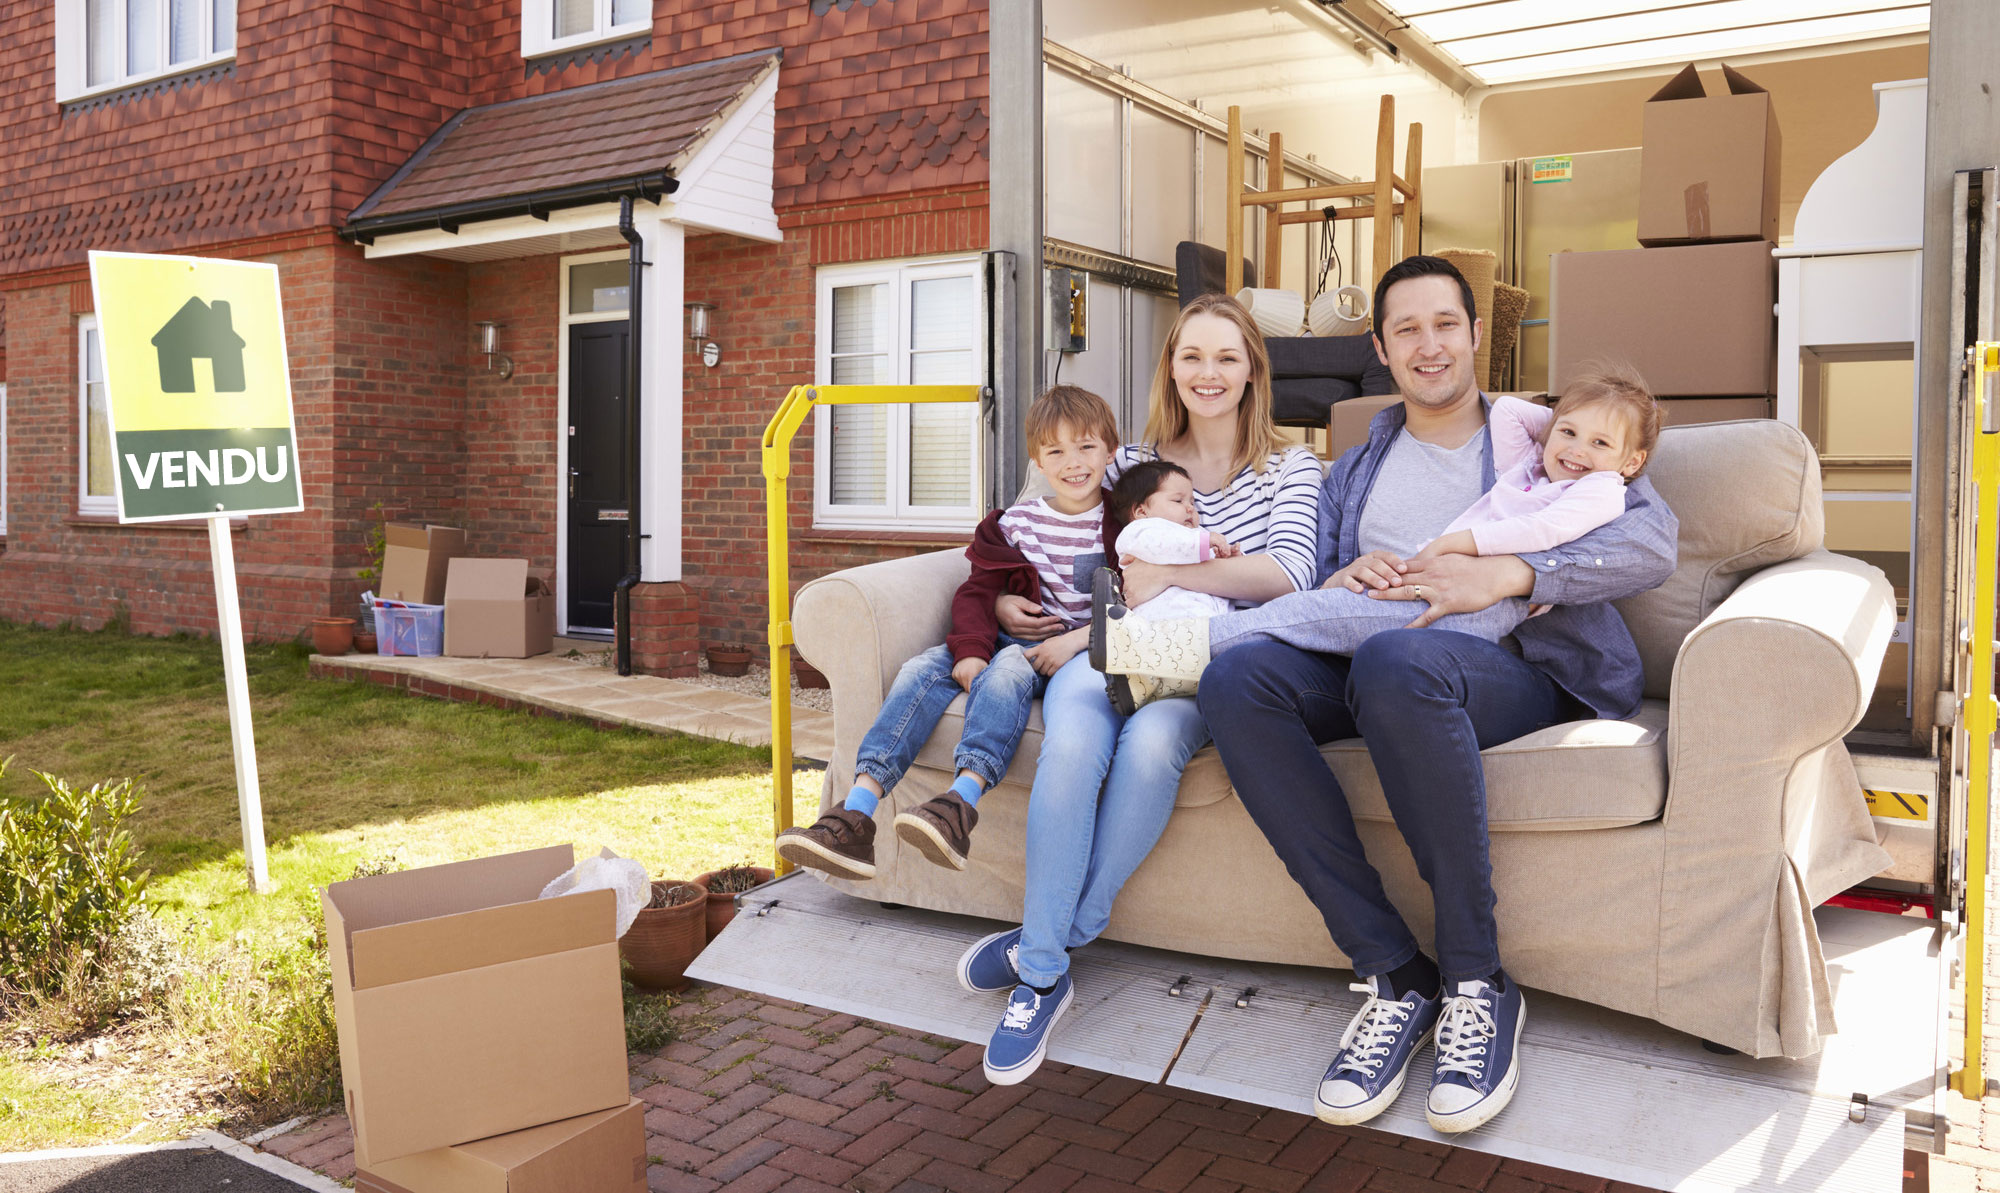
x=404, y=627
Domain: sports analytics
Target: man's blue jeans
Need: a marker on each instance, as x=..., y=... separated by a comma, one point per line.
x=996, y=714
x=1426, y=701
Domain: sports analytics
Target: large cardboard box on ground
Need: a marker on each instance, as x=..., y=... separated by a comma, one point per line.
x=414, y=559
x=497, y=609
x=1349, y=425
x=1695, y=321
x=603, y=1152
x=467, y=1007
x=1708, y=165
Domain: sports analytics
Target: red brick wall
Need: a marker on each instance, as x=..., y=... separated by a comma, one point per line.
x=511, y=482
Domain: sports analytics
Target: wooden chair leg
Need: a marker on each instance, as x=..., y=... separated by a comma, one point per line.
x=1385, y=190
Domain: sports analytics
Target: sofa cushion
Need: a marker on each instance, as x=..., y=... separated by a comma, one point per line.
x=1581, y=775
x=1747, y=495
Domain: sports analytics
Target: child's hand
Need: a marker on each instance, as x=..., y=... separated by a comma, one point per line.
x=1222, y=548
x=1377, y=569
x=965, y=671
x=1048, y=657
x=1459, y=542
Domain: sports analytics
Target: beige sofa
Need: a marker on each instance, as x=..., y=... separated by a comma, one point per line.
x=1664, y=866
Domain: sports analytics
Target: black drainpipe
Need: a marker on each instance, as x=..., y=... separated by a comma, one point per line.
x=636, y=288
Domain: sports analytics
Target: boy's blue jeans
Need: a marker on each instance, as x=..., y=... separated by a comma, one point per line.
x=996, y=714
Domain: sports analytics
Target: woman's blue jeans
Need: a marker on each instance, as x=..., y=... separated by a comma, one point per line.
x=996, y=715
x=1104, y=787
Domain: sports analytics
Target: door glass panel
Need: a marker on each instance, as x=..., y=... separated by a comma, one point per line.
x=98, y=458
x=599, y=287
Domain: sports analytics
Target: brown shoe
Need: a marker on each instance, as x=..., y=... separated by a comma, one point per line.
x=841, y=843
x=941, y=827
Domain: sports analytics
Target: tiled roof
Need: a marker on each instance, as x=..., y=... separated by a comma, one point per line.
x=598, y=133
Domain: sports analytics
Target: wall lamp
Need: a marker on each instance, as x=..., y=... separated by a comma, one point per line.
x=711, y=352
x=489, y=344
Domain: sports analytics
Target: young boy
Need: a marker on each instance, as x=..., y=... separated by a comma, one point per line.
x=1045, y=548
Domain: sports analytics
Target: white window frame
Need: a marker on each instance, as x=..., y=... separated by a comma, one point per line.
x=897, y=513
x=538, y=22
x=73, y=50
x=88, y=504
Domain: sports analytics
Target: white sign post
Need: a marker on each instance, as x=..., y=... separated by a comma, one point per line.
x=212, y=443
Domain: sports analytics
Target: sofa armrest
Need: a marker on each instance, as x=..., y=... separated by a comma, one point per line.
x=1783, y=667
x=860, y=625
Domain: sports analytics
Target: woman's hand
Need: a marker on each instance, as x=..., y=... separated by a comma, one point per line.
x=1375, y=570
x=1143, y=581
x=1022, y=618
x=1459, y=584
x=1049, y=657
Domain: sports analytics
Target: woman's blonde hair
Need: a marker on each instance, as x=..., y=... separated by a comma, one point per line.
x=1167, y=416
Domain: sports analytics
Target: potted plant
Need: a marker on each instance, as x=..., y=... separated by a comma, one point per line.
x=364, y=641
x=724, y=885
x=809, y=675
x=667, y=935
x=333, y=635
x=729, y=658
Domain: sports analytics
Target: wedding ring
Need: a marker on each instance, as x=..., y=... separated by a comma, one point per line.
x=1417, y=591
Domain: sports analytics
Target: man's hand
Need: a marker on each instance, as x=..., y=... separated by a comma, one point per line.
x=966, y=670
x=1459, y=542
x=1375, y=570
x=1022, y=618
x=1143, y=581
x=1048, y=658
x=1459, y=584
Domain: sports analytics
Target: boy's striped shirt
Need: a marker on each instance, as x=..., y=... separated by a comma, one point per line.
x=1065, y=549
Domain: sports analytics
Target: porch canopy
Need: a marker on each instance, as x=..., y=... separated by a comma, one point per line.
x=544, y=174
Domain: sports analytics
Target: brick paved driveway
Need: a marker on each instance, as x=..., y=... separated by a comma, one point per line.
x=766, y=1095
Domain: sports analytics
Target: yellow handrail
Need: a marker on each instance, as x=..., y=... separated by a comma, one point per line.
x=777, y=451
x=1981, y=713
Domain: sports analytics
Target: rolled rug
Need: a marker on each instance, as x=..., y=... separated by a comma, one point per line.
x=1275, y=312
x=1510, y=303
x=1342, y=312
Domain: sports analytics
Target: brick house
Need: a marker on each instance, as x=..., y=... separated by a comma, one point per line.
x=814, y=171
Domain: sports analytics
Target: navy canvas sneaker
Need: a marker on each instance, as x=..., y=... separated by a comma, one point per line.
x=1022, y=1038
x=1478, y=1054
x=988, y=967
x=1375, y=1055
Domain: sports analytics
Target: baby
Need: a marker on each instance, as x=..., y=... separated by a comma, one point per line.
x=1155, y=498
x=1559, y=474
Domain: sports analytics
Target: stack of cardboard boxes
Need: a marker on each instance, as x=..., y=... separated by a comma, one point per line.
x=438, y=600
x=482, y=1031
x=1693, y=311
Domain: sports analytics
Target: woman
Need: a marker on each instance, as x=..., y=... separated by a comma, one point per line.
x=1105, y=784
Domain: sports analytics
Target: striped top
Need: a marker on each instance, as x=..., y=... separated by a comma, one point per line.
x=1065, y=549
x=1274, y=512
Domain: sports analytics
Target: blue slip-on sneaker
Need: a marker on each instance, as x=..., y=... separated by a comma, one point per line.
x=988, y=967
x=1478, y=1055
x=1375, y=1055
x=1021, y=1040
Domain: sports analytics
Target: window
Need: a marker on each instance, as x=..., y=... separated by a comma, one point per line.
x=94, y=491
x=102, y=45
x=898, y=467
x=551, y=25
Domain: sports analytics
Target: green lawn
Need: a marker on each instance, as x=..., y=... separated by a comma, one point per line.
x=351, y=773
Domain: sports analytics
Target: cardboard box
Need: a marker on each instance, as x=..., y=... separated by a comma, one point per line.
x=594, y=1153
x=467, y=1007
x=1349, y=425
x=1685, y=412
x=496, y=608
x=414, y=559
x=1708, y=166
x=1695, y=321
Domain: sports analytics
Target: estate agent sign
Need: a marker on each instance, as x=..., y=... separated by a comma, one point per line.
x=198, y=391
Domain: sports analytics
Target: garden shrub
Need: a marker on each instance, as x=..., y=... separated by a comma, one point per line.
x=70, y=882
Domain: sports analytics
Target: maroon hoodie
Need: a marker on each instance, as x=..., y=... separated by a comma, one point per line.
x=998, y=567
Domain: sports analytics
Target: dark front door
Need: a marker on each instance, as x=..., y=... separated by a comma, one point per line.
x=598, y=493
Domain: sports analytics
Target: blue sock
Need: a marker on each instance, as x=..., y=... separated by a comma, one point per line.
x=862, y=800
x=968, y=789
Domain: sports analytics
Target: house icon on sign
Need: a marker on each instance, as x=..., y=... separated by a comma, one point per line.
x=199, y=329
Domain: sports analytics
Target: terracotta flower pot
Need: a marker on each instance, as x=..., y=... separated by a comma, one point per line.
x=664, y=941
x=728, y=660
x=809, y=675
x=722, y=904
x=364, y=641
x=333, y=635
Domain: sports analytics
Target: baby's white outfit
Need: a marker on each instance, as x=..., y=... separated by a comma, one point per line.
x=1156, y=540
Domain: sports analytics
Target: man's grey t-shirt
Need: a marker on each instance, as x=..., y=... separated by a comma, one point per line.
x=1418, y=492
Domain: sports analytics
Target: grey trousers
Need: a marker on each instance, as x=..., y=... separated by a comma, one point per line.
x=1338, y=621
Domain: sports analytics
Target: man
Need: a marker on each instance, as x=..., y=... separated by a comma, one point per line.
x=1426, y=702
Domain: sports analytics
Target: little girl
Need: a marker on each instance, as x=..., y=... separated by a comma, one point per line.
x=1155, y=498
x=1559, y=474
